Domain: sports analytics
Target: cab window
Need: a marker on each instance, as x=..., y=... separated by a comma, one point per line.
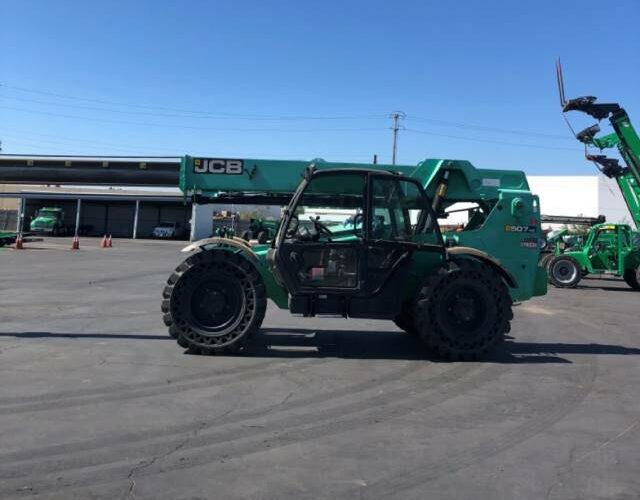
x=331, y=207
x=397, y=209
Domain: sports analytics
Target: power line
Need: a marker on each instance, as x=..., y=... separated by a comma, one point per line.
x=192, y=127
x=181, y=112
x=482, y=128
x=489, y=141
x=33, y=138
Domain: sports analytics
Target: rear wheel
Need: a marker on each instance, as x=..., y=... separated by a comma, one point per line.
x=564, y=272
x=632, y=277
x=463, y=310
x=213, y=301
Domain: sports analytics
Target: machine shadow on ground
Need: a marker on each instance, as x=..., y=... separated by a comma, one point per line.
x=310, y=343
x=287, y=342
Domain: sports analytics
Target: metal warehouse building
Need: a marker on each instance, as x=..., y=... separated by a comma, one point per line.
x=120, y=212
x=90, y=199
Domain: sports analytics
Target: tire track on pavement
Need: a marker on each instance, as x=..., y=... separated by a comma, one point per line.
x=244, y=439
x=166, y=432
x=399, y=482
x=83, y=397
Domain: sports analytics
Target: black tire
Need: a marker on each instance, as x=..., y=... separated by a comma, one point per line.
x=405, y=320
x=263, y=237
x=463, y=310
x=213, y=302
x=632, y=277
x=564, y=272
x=246, y=235
x=544, y=260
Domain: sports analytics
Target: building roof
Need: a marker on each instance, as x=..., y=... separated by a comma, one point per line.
x=84, y=158
x=74, y=193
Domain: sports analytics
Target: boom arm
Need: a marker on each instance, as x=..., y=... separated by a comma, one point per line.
x=273, y=182
x=624, y=138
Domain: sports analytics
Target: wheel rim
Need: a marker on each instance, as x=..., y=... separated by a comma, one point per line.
x=565, y=271
x=463, y=310
x=216, y=304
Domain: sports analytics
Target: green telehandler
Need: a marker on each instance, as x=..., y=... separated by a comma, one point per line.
x=571, y=236
x=608, y=248
x=360, y=241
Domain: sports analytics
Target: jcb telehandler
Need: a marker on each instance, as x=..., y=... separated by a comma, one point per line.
x=360, y=241
x=608, y=248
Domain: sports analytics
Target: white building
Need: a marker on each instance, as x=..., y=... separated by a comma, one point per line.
x=588, y=196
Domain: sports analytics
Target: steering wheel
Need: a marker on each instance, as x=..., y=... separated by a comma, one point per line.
x=292, y=230
x=320, y=227
x=358, y=219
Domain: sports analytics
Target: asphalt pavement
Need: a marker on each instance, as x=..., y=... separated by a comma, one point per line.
x=96, y=401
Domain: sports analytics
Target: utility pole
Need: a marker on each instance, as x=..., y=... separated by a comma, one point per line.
x=396, y=116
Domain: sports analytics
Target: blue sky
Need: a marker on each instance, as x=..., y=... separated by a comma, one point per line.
x=290, y=79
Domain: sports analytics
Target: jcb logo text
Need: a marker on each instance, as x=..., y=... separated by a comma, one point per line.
x=217, y=166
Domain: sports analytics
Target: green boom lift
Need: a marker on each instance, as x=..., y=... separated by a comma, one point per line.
x=360, y=241
x=608, y=248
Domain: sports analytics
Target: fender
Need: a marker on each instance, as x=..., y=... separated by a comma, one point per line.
x=486, y=258
x=237, y=243
x=275, y=292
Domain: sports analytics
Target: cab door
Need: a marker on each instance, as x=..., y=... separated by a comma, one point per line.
x=397, y=246
x=347, y=242
x=319, y=248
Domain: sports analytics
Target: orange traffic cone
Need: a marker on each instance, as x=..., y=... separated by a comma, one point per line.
x=103, y=243
x=109, y=244
x=18, y=245
x=76, y=243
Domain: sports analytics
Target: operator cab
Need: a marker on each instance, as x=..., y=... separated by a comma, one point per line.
x=608, y=245
x=346, y=241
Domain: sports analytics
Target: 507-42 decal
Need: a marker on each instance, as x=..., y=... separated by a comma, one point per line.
x=218, y=166
x=510, y=228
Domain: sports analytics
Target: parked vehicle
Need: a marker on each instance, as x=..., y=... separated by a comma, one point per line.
x=168, y=230
x=7, y=238
x=607, y=249
x=48, y=221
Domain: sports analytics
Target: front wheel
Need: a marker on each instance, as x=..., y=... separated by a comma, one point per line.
x=632, y=277
x=463, y=310
x=213, y=301
x=564, y=272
